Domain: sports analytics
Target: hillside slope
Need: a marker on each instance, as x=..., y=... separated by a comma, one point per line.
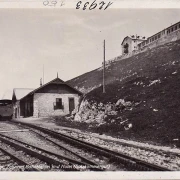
x=142, y=99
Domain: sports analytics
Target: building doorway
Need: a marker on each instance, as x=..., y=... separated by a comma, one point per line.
x=15, y=112
x=71, y=105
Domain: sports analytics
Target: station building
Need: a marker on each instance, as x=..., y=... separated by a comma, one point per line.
x=51, y=99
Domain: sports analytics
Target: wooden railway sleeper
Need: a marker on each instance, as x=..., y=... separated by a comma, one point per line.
x=33, y=153
x=91, y=147
x=57, y=155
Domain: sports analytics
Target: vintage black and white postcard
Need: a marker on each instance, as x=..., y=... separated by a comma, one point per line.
x=90, y=89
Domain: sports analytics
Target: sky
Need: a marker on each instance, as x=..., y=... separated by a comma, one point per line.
x=67, y=41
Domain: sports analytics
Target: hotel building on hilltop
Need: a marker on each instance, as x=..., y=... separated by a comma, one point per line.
x=135, y=44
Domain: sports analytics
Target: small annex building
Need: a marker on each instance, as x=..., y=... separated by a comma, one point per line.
x=51, y=99
x=18, y=93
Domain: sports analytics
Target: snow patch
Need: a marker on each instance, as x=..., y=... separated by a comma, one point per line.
x=138, y=83
x=154, y=82
x=175, y=72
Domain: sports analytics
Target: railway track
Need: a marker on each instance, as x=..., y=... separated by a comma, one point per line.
x=118, y=158
x=95, y=161
x=11, y=162
x=52, y=161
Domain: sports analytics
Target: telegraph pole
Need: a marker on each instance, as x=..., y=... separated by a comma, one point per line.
x=104, y=91
x=43, y=74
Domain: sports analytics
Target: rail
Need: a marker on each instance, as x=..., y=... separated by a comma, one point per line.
x=131, y=162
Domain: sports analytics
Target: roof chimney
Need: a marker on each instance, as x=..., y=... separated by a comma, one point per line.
x=57, y=75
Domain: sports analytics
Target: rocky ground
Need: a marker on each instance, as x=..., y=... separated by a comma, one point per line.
x=142, y=97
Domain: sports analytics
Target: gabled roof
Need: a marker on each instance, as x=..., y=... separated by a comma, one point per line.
x=19, y=93
x=133, y=39
x=54, y=81
x=125, y=38
x=8, y=94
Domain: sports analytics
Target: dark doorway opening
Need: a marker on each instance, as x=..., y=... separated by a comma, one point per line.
x=71, y=105
x=16, y=113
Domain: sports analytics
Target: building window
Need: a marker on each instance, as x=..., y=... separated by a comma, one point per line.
x=159, y=36
x=179, y=25
x=58, y=104
x=172, y=29
x=175, y=27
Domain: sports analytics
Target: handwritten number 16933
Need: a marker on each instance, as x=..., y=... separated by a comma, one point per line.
x=93, y=5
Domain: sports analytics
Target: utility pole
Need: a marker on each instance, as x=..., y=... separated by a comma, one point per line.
x=104, y=91
x=41, y=82
x=43, y=74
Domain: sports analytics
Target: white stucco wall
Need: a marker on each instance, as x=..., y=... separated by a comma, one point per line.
x=44, y=104
x=132, y=44
x=16, y=105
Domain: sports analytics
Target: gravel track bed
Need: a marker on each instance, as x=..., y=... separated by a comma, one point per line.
x=5, y=126
x=168, y=160
x=161, y=158
x=7, y=163
x=54, y=167
x=40, y=164
x=67, y=154
x=34, y=139
x=25, y=157
x=102, y=161
x=41, y=152
x=155, y=156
